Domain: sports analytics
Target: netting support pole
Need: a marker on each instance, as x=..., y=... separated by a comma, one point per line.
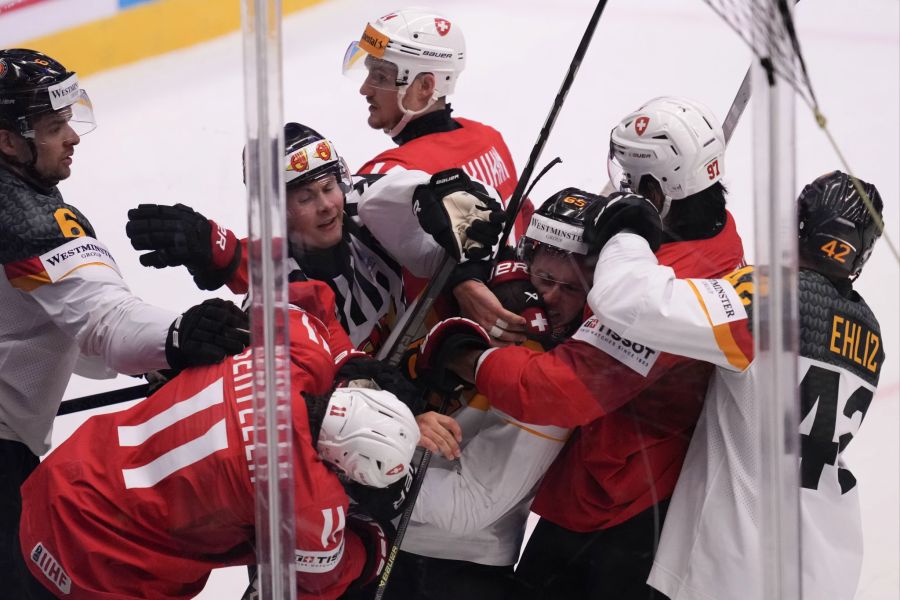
x=272, y=467
x=776, y=325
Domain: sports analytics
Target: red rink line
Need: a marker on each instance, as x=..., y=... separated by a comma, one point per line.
x=15, y=5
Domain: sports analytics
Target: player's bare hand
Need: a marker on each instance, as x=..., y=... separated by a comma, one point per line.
x=440, y=434
x=479, y=303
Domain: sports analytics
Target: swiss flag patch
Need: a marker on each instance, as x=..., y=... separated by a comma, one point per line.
x=442, y=26
x=640, y=125
x=395, y=470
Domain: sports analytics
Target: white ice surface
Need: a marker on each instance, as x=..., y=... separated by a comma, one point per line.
x=171, y=130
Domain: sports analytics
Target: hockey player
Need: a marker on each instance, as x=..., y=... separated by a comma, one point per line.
x=144, y=503
x=65, y=305
x=328, y=241
x=469, y=518
x=711, y=546
x=603, y=501
x=409, y=61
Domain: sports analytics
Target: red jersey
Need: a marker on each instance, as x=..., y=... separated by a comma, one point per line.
x=144, y=503
x=636, y=407
x=476, y=148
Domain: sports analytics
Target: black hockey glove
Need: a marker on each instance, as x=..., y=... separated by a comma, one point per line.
x=376, y=537
x=622, y=212
x=460, y=214
x=445, y=341
x=178, y=235
x=385, y=504
x=206, y=334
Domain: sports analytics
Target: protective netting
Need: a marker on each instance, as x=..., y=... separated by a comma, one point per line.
x=767, y=26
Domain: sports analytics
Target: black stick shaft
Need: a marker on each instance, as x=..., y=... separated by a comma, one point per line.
x=103, y=399
x=515, y=201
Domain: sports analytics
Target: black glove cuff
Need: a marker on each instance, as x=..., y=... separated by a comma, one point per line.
x=479, y=270
x=316, y=407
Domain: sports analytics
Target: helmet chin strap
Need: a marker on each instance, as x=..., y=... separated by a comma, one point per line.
x=29, y=167
x=667, y=204
x=408, y=115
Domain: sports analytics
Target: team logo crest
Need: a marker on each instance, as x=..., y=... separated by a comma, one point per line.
x=640, y=125
x=395, y=470
x=300, y=161
x=323, y=151
x=3, y=68
x=442, y=26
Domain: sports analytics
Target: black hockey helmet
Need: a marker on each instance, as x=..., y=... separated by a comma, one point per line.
x=836, y=230
x=559, y=224
x=31, y=84
x=308, y=156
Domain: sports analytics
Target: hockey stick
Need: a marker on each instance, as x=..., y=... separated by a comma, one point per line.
x=515, y=201
x=134, y=392
x=413, y=324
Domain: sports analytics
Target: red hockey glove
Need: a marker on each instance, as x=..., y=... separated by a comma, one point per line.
x=376, y=538
x=622, y=212
x=178, y=235
x=513, y=288
x=460, y=214
x=444, y=342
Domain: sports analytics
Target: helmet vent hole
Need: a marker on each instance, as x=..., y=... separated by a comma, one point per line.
x=674, y=149
x=661, y=136
x=711, y=141
x=678, y=168
x=628, y=124
x=708, y=124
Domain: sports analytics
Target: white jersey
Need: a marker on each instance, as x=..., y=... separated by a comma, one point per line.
x=66, y=309
x=710, y=542
x=475, y=508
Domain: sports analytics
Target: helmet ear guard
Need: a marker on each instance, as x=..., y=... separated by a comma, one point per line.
x=369, y=435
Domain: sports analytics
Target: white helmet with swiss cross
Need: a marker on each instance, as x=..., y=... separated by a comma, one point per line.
x=409, y=42
x=676, y=141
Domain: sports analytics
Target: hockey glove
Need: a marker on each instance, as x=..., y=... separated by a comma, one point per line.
x=206, y=334
x=178, y=235
x=376, y=537
x=385, y=504
x=622, y=212
x=513, y=288
x=459, y=213
x=445, y=341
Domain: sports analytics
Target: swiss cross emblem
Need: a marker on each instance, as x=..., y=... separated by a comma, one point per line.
x=442, y=26
x=640, y=125
x=323, y=151
x=539, y=323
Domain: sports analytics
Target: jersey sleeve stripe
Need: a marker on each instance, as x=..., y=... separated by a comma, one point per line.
x=27, y=275
x=722, y=333
x=535, y=432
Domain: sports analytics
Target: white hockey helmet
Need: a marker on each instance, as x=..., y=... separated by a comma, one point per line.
x=677, y=141
x=369, y=435
x=414, y=41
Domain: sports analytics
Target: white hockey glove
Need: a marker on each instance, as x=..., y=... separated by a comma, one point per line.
x=460, y=214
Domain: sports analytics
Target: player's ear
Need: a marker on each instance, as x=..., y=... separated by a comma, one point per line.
x=424, y=87
x=7, y=142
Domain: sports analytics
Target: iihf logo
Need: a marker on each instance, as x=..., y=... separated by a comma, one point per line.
x=640, y=125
